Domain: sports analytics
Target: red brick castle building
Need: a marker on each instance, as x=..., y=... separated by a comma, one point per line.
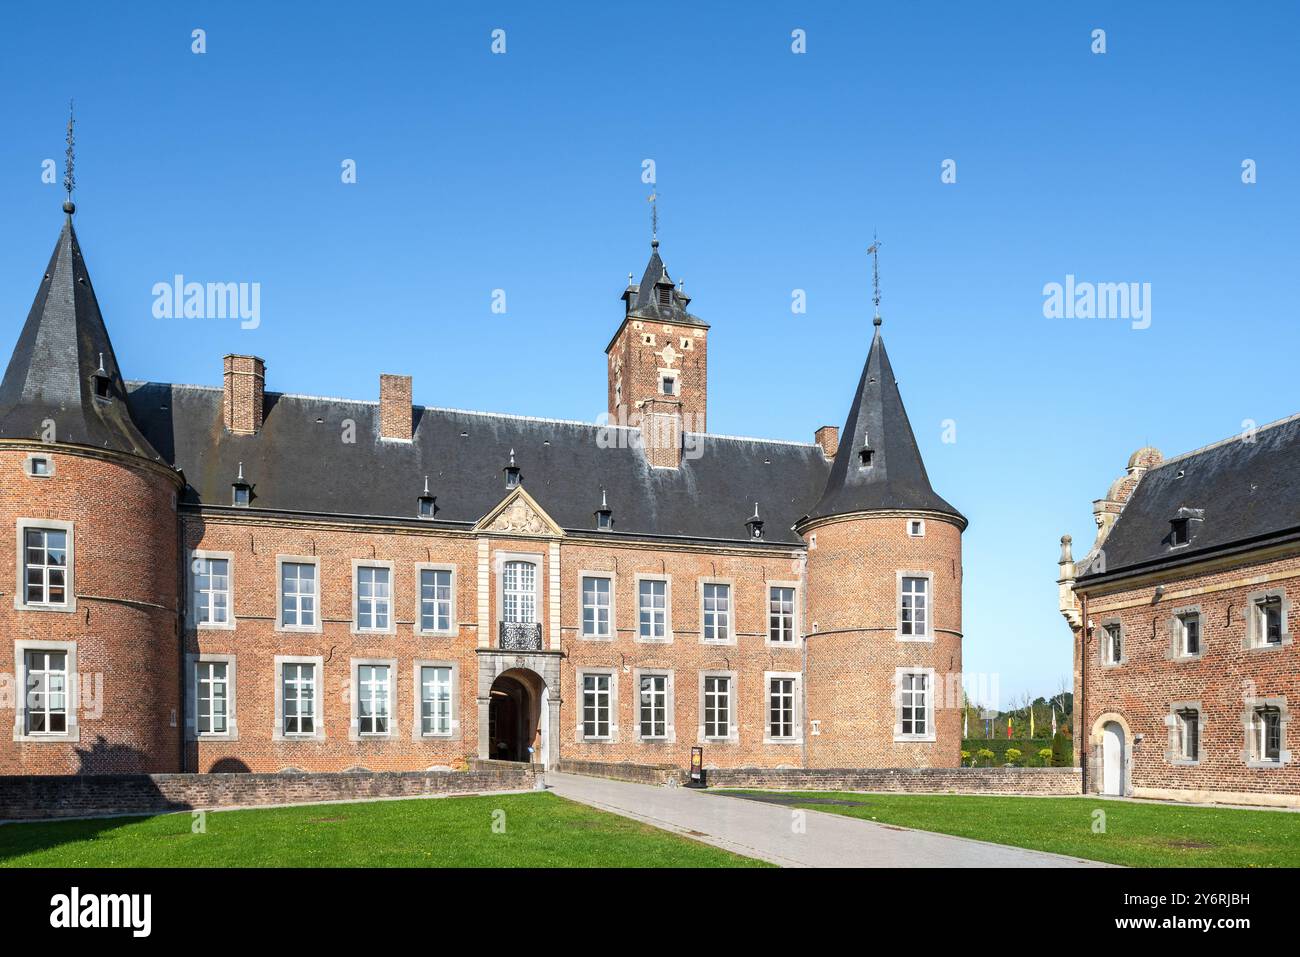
x=229, y=578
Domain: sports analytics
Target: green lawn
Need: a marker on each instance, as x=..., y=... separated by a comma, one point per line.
x=540, y=830
x=1136, y=834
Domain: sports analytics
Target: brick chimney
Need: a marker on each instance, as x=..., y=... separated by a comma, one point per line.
x=828, y=437
x=244, y=380
x=661, y=433
x=395, y=407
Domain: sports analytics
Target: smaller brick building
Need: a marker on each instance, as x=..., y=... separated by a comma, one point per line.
x=1185, y=669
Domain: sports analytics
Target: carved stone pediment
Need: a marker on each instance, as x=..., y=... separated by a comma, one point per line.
x=518, y=514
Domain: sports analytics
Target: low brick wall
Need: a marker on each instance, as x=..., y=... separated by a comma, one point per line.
x=31, y=797
x=1059, y=781
x=636, y=773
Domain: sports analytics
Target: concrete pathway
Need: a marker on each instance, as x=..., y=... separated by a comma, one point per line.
x=766, y=831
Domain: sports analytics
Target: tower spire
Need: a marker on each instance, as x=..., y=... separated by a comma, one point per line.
x=874, y=251
x=69, y=179
x=653, y=200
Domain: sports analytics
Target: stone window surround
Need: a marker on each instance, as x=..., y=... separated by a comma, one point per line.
x=20, y=586
x=1174, y=754
x=667, y=579
x=49, y=463
x=280, y=561
x=231, y=620
x=733, y=707
x=613, y=603
x=1253, y=641
x=417, y=725
x=915, y=521
x=731, y=638
x=1176, y=617
x=676, y=376
x=929, y=605
x=73, y=732
x=277, y=730
x=1247, y=721
x=797, y=737
x=899, y=736
x=670, y=705
x=1103, y=644
x=357, y=565
x=499, y=559
x=192, y=662
x=420, y=569
x=580, y=693
x=354, y=722
x=797, y=614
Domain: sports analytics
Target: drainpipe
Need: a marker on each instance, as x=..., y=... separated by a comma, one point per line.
x=180, y=628
x=1080, y=713
x=803, y=684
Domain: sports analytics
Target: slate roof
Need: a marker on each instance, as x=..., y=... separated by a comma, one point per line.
x=896, y=478
x=1246, y=492
x=299, y=463
x=50, y=375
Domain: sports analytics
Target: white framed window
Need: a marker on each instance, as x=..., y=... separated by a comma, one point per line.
x=653, y=705
x=299, y=594
x=781, y=706
x=372, y=698
x=718, y=706
x=38, y=466
x=781, y=613
x=211, y=590
x=46, y=686
x=435, y=682
x=373, y=602
x=1189, y=734
x=1265, y=721
x=437, y=598
x=47, y=691
x=596, y=721
x=914, y=606
x=716, y=612
x=44, y=566
x=519, y=592
x=652, y=609
x=916, y=528
x=1267, y=619
x=298, y=700
x=1112, y=643
x=597, y=606
x=1187, y=628
x=212, y=698
x=210, y=692
x=914, y=690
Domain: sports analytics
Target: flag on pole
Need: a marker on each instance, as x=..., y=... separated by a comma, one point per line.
x=1053, y=720
x=1031, y=722
x=965, y=723
x=1008, y=726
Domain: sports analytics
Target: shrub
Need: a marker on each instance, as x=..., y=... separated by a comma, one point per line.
x=965, y=756
x=1013, y=755
x=983, y=754
x=1062, y=751
x=1046, y=755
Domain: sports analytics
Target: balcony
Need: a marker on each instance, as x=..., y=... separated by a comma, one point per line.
x=519, y=636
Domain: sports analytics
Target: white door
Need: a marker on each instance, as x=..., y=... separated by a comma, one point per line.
x=1112, y=759
x=544, y=723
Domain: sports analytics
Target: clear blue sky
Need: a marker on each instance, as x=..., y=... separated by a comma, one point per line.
x=522, y=172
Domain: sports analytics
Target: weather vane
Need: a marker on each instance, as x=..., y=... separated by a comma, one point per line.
x=874, y=251
x=70, y=180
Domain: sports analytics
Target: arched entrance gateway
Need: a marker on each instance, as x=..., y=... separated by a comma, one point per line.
x=515, y=716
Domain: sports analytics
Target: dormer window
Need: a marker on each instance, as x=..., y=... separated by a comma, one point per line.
x=241, y=493
x=513, y=475
x=425, y=504
x=1179, y=532
x=100, y=381
x=866, y=458
x=604, y=514
x=665, y=295
x=755, y=524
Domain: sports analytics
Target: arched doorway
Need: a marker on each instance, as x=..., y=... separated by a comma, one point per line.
x=1112, y=759
x=514, y=714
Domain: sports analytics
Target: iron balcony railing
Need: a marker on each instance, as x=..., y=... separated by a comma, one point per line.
x=520, y=636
